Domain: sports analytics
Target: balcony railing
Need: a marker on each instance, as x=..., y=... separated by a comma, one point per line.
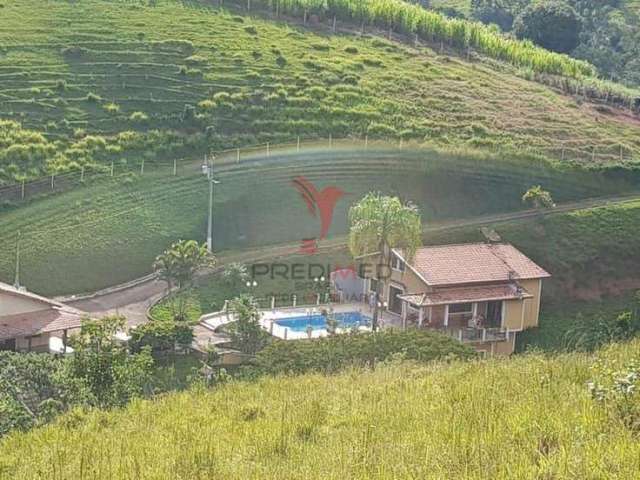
x=469, y=335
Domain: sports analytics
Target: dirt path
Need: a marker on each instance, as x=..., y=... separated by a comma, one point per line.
x=134, y=298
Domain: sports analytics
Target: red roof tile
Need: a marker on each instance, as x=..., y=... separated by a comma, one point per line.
x=473, y=263
x=44, y=321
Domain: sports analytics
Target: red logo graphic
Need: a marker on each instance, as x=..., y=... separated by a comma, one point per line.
x=318, y=202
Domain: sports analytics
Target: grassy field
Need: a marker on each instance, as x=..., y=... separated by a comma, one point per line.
x=529, y=417
x=110, y=231
x=127, y=85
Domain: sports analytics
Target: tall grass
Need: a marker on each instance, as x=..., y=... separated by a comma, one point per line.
x=527, y=418
x=407, y=18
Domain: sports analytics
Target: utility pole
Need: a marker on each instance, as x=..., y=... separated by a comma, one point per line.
x=16, y=281
x=212, y=182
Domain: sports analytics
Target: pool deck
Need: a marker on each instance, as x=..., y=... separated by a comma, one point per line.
x=269, y=317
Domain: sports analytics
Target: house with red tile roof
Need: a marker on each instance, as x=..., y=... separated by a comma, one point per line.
x=30, y=322
x=480, y=293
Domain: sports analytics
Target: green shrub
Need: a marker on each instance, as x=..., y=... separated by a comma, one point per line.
x=351, y=49
x=161, y=336
x=333, y=353
x=138, y=117
x=111, y=107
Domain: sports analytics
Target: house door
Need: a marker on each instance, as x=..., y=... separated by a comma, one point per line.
x=395, y=304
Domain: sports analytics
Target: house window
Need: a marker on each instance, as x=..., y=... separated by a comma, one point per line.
x=397, y=264
x=461, y=309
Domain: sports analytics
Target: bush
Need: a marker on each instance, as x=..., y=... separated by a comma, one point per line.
x=161, y=336
x=334, y=353
x=138, y=117
x=554, y=25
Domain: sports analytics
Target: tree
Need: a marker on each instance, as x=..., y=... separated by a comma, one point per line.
x=235, y=275
x=110, y=372
x=379, y=224
x=246, y=332
x=178, y=265
x=538, y=198
x=493, y=11
x=552, y=24
x=33, y=389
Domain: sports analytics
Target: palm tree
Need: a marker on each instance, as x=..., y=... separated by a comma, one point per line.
x=379, y=224
x=178, y=265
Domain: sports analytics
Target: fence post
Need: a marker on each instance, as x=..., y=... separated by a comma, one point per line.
x=593, y=154
x=318, y=299
x=268, y=154
x=366, y=141
x=484, y=334
x=562, y=152
x=330, y=141
x=621, y=154
x=298, y=145
x=112, y=169
x=142, y=167
x=82, y=174
x=400, y=144
x=175, y=167
x=295, y=300
x=22, y=192
x=271, y=327
x=460, y=335
x=273, y=303
x=52, y=182
x=238, y=155
x=286, y=330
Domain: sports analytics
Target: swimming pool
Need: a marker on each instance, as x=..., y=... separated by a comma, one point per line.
x=319, y=322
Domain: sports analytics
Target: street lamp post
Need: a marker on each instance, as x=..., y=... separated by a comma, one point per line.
x=212, y=181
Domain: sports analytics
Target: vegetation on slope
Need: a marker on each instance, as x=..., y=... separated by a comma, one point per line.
x=528, y=417
x=129, y=85
x=119, y=225
x=609, y=30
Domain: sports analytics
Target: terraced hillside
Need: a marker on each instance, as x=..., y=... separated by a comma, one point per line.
x=133, y=81
x=110, y=230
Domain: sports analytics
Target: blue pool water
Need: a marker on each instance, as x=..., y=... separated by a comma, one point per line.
x=318, y=322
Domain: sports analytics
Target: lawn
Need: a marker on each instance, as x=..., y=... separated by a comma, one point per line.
x=529, y=417
x=109, y=231
x=128, y=85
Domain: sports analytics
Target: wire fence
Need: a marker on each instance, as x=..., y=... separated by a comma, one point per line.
x=229, y=158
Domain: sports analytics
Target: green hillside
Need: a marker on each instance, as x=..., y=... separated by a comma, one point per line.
x=136, y=81
x=529, y=417
x=109, y=230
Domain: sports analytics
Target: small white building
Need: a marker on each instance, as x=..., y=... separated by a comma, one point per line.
x=32, y=323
